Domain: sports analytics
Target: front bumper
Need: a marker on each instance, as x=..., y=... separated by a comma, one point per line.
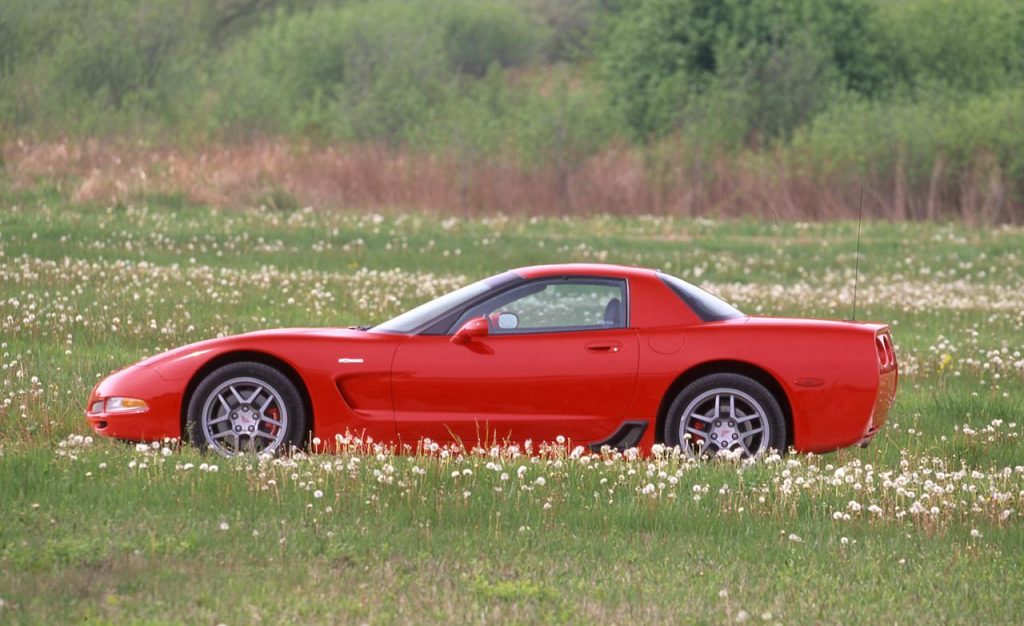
x=163, y=418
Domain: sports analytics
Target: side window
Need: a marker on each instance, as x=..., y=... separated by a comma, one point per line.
x=555, y=305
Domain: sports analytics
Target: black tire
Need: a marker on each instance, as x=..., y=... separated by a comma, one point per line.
x=240, y=418
x=705, y=404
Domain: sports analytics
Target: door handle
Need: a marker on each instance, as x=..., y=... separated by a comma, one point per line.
x=613, y=346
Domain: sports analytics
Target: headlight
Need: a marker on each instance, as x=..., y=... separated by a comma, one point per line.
x=126, y=405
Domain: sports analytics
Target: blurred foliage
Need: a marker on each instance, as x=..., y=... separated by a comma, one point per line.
x=365, y=72
x=967, y=46
x=742, y=67
x=833, y=85
x=954, y=130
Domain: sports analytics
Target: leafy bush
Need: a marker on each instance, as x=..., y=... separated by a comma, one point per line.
x=875, y=88
x=365, y=71
x=100, y=60
x=861, y=138
x=673, y=63
x=547, y=120
x=967, y=46
x=478, y=34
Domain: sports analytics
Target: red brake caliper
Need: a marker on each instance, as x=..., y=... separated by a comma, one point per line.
x=274, y=414
x=698, y=425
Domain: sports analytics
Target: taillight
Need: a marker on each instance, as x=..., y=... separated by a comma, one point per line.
x=886, y=353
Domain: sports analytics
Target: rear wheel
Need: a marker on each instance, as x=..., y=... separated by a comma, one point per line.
x=725, y=412
x=246, y=408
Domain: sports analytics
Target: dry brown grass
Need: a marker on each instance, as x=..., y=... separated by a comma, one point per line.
x=667, y=179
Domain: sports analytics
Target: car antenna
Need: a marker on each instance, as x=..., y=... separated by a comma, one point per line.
x=856, y=269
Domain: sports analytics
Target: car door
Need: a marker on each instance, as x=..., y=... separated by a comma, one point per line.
x=558, y=358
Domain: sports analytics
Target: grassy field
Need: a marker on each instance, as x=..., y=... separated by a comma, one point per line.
x=923, y=527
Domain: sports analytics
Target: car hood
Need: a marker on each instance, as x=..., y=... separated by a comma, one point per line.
x=202, y=347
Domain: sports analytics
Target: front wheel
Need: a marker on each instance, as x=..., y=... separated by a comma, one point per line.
x=725, y=412
x=246, y=408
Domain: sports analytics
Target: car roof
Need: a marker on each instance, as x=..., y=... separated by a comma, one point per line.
x=583, y=269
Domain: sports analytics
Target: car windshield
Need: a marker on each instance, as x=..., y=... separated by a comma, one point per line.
x=709, y=308
x=416, y=319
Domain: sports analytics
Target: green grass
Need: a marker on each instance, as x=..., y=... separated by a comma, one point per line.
x=107, y=532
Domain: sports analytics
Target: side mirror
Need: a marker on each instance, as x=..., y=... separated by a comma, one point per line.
x=474, y=328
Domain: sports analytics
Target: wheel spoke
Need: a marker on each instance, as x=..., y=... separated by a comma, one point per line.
x=751, y=433
x=237, y=395
x=732, y=405
x=220, y=419
x=271, y=421
x=746, y=418
x=703, y=418
x=255, y=394
x=718, y=406
x=694, y=431
x=222, y=434
x=224, y=403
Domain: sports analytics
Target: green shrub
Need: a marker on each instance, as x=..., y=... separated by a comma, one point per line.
x=278, y=77
x=569, y=25
x=99, y=61
x=552, y=119
x=564, y=124
x=860, y=138
x=21, y=26
x=477, y=34
x=374, y=71
x=773, y=63
x=479, y=122
x=853, y=88
x=967, y=46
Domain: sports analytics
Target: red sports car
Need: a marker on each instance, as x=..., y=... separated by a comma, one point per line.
x=602, y=355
